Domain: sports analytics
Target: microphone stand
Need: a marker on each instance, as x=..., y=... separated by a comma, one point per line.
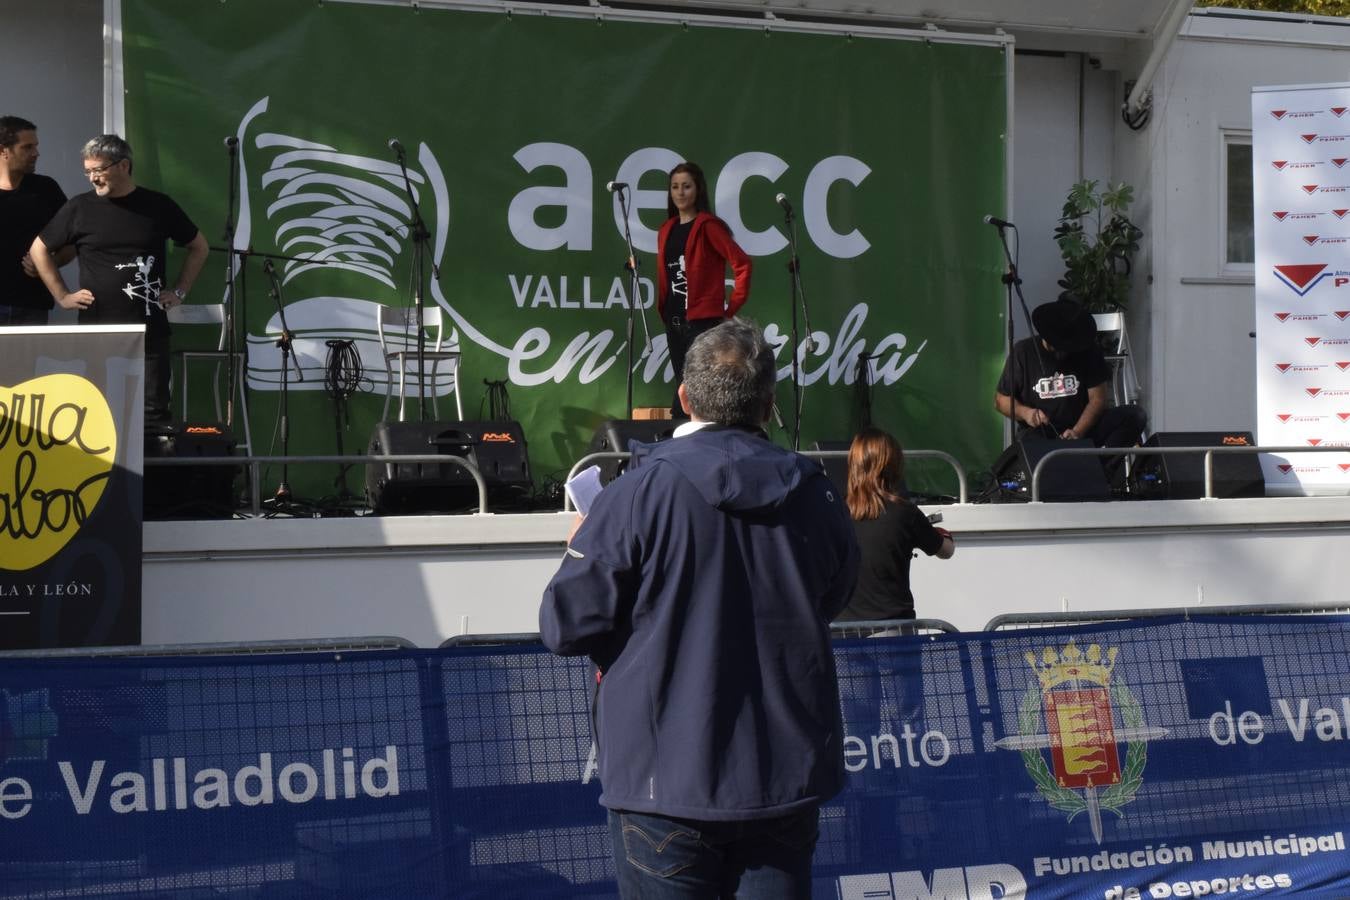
x=798, y=296
x=420, y=236
x=634, y=302
x=231, y=351
x=1013, y=284
x=283, y=494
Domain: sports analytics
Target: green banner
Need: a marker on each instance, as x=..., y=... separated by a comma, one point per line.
x=890, y=149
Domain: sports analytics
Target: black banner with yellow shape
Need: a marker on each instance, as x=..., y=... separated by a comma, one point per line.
x=71, y=454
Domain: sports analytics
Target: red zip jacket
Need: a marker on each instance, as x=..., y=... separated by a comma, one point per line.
x=706, y=254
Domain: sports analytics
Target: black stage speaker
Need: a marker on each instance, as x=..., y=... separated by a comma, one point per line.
x=1181, y=476
x=1063, y=479
x=614, y=435
x=497, y=449
x=189, y=492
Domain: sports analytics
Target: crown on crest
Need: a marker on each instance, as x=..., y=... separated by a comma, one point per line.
x=1071, y=664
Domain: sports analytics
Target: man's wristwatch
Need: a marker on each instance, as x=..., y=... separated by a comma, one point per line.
x=181, y=295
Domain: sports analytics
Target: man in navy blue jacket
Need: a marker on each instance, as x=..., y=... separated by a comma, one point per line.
x=702, y=584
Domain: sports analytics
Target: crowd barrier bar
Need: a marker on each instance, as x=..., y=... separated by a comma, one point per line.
x=245, y=648
x=962, y=489
x=891, y=628
x=870, y=628
x=255, y=463
x=1009, y=621
x=490, y=640
x=1163, y=451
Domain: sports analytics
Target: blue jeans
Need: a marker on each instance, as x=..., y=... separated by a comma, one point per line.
x=659, y=858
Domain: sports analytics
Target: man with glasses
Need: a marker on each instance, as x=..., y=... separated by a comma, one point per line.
x=120, y=231
x=27, y=202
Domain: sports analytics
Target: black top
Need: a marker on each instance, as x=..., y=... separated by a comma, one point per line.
x=1055, y=383
x=121, y=243
x=676, y=282
x=23, y=212
x=888, y=543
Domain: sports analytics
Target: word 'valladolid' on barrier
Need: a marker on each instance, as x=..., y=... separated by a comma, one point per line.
x=1168, y=758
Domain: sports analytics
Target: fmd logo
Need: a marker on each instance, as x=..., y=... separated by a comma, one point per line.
x=970, y=883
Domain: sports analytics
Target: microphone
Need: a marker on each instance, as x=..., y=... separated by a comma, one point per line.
x=396, y=147
x=232, y=143
x=782, y=201
x=613, y=186
x=996, y=221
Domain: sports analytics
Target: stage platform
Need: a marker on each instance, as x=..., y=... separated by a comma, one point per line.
x=426, y=578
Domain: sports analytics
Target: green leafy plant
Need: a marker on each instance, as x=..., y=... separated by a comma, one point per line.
x=1097, y=241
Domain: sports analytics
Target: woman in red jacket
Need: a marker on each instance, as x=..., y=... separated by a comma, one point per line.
x=694, y=248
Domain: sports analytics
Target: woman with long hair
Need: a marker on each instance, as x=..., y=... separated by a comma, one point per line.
x=889, y=527
x=694, y=248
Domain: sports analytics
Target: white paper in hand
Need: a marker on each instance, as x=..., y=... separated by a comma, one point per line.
x=583, y=487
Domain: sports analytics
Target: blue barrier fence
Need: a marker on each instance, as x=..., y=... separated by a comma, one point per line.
x=1168, y=758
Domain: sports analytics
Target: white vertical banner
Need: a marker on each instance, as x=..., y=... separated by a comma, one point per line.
x=1301, y=194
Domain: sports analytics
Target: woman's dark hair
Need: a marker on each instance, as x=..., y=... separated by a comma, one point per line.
x=694, y=171
x=876, y=467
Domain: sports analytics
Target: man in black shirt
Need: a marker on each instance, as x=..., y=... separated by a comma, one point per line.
x=27, y=202
x=1055, y=383
x=120, y=233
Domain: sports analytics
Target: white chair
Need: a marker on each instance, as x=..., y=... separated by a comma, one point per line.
x=397, y=328
x=211, y=314
x=1124, y=381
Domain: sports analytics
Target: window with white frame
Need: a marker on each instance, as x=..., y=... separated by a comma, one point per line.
x=1235, y=193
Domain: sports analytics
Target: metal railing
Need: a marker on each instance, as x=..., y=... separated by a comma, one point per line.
x=491, y=640
x=1009, y=621
x=255, y=464
x=241, y=648
x=962, y=490
x=891, y=628
x=1163, y=451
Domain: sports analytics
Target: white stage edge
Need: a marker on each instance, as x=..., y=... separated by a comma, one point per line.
x=426, y=578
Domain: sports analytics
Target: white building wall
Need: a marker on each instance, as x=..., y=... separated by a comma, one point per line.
x=1062, y=132
x=1201, y=370
x=51, y=67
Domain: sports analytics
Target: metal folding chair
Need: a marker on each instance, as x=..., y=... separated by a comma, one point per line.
x=397, y=328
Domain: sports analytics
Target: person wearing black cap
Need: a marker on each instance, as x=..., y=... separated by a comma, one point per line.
x=1056, y=382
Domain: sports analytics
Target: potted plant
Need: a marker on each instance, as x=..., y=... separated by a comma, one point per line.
x=1097, y=241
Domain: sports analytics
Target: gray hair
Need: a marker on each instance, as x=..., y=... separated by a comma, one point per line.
x=729, y=375
x=108, y=147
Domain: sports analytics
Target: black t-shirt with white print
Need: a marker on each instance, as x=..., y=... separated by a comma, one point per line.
x=1057, y=385
x=677, y=286
x=121, y=243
